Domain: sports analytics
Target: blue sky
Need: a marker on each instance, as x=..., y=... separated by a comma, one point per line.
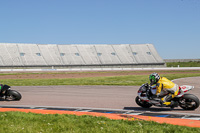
x=173, y=26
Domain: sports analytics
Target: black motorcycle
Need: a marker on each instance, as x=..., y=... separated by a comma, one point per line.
x=8, y=94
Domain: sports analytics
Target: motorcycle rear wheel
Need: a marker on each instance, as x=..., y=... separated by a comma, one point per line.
x=189, y=102
x=13, y=95
x=141, y=103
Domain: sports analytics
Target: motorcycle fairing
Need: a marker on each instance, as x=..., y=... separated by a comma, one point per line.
x=183, y=89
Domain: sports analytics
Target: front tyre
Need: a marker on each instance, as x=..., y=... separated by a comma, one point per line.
x=13, y=95
x=142, y=103
x=189, y=102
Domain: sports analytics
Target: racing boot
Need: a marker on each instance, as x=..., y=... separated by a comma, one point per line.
x=166, y=104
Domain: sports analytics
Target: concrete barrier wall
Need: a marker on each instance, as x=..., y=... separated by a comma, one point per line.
x=98, y=69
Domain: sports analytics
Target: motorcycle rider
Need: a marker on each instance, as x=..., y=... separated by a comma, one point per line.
x=166, y=89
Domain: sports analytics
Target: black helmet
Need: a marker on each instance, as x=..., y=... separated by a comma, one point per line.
x=154, y=77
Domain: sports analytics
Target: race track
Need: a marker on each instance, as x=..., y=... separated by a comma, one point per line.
x=107, y=97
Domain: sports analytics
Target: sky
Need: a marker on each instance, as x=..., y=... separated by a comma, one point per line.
x=172, y=26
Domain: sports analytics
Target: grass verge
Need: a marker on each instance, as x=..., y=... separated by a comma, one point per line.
x=20, y=122
x=183, y=64
x=129, y=80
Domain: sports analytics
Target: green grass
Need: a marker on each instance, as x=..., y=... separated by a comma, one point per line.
x=183, y=64
x=130, y=80
x=19, y=122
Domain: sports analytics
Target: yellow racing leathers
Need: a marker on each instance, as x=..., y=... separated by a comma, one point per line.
x=166, y=90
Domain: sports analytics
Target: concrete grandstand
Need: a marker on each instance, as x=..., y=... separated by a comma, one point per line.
x=79, y=55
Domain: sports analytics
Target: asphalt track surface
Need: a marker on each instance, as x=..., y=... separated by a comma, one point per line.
x=96, y=97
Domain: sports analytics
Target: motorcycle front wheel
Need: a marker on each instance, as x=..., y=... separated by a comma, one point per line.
x=189, y=102
x=13, y=95
x=142, y=103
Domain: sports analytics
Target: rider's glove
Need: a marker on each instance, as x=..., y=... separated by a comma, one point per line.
x=146, y=85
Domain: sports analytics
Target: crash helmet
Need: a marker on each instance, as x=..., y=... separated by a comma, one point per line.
x=154, y=78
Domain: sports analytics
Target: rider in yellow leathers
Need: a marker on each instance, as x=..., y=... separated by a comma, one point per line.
x=166, y=89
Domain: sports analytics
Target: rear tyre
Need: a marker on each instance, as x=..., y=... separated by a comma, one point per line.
x=189, y=102
x=142, y=103
x=13, y=95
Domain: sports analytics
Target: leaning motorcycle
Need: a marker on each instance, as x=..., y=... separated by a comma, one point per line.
x=8, y=94
x=183, y=99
